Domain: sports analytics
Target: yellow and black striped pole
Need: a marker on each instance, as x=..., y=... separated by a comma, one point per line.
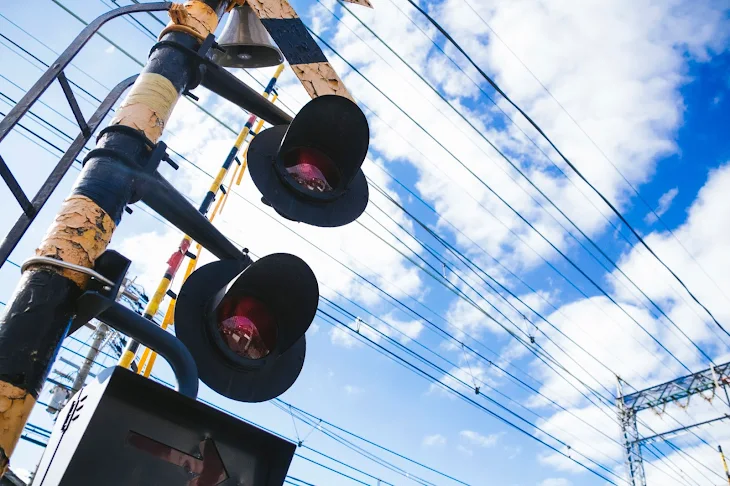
x=173, y=264
x=300, y=50
x=724, y=463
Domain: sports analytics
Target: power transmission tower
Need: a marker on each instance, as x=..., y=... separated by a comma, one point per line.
x=657, y=398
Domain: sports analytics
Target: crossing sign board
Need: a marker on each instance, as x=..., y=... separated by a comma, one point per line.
x=125, y=430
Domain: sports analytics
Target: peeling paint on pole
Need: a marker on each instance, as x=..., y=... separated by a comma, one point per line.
x=38, y=315
x=15, y=407
x=80, y=233
x=148, y=105
x=320, y=79
x=299, y=48
x=196, y=15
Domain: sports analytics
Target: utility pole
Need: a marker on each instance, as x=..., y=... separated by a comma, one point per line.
x=39, y=312
x=657, y=398
x=630, y=436
x=100, y=335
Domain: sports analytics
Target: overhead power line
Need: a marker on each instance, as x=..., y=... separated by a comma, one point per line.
x=600, y=150
x=566, y=160
x=435, y=380
x=520, y=171
x=513, y=210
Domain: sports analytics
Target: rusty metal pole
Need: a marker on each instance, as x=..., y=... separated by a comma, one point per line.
x=38, y=315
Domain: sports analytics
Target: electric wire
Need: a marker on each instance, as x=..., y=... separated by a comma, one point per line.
x=600, y=150
x=430, y=231
x=616, y=228
x=344, y=464
x=446, y=373
x=611, y=417
x=474, y=268
x=84, y=73
x=388, y=465
x=520, y=171
x=333, y=470
x=436, y=327
x=467, y=385
x=425, y=246
x=438, y=256
x=476, y=404
x=330, y=424
x=46, y=65
x=567, y=161
x=441, y=330
x=517, y=213
x=13, y=83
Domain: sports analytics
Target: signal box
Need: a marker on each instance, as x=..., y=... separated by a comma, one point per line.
x=125, y=430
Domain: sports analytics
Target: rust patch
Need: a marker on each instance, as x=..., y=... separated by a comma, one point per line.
x=148, y=105
x=195, y=14
x=319, y=79
x=272, y=9
x=15, y=407
x=79, y=234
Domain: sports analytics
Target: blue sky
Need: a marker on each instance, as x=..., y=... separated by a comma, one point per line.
x=649, y=84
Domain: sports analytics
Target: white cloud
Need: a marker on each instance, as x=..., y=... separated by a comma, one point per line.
x=341, y=337
x=434, y=440
x=477, y=439
x=313, y=328
x=665, y=201
x=407, y=329
x=634, y=120
x=353, y=390
x=513, y=452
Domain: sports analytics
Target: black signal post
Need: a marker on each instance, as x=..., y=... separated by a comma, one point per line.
x=246, y=338
x=115, y=174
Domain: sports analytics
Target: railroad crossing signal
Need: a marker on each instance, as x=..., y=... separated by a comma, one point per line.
x=310, y=171
x=248, y=340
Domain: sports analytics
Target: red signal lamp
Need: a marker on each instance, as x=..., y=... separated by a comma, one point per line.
x=246, y=325
x=310, y=171
x=248, y=340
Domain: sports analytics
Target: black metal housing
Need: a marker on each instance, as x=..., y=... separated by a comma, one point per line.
x=287, y=286
x=124, y=429
x=226, y=85
x=334, y=126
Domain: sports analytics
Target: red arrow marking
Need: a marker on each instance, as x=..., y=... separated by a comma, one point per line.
x=208, y=471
